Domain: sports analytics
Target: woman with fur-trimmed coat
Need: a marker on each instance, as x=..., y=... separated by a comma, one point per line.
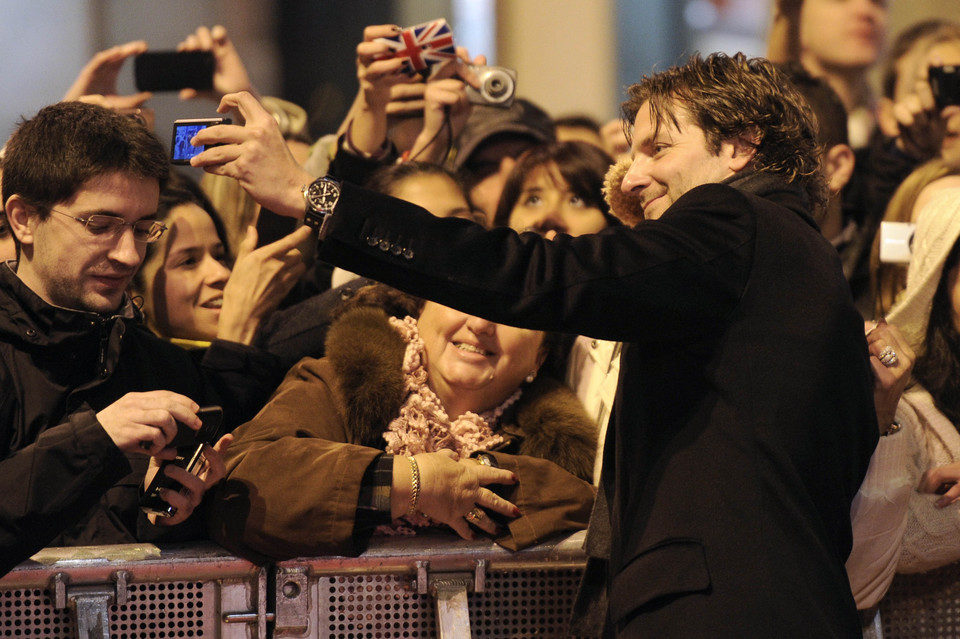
x=363, y=438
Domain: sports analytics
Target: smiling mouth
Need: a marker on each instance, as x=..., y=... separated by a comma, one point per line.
x=216, y=304
x=470, y=348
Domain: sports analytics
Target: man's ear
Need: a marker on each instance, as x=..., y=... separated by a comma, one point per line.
x=742, y=149
x=838, y=162
x=18, y=216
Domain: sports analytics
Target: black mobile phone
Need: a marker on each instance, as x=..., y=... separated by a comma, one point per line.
x=173, y=70
x=183, y=131
x=189, y=444
x=945, y=84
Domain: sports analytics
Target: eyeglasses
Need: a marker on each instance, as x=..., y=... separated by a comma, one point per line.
x=110, y=226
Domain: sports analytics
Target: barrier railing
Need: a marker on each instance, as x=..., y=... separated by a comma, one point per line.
x=423, y=586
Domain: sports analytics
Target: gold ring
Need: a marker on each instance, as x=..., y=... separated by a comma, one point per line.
x=474, y=515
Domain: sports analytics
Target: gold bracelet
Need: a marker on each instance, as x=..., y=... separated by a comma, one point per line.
x=414, y=487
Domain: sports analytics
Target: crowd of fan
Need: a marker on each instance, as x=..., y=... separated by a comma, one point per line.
x=225, y=301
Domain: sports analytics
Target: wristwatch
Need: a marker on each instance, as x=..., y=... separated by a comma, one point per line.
x=321, y=197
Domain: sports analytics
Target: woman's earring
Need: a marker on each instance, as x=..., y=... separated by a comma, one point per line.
x=529, y=378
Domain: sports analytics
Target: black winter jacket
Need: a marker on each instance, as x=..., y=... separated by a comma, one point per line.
x=64, y=480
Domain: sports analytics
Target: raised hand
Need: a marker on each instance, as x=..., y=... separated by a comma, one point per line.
x=229, y=73
x=260, y=279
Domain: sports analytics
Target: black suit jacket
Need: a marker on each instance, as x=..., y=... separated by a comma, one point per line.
x=744, y=421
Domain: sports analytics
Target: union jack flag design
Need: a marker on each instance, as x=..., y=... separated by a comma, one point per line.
x=422, y=46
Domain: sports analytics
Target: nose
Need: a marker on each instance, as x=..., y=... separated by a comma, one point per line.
x=480, y=326
x=215, y=274
x=637, y=176
x=549, y=220
x=126, y=250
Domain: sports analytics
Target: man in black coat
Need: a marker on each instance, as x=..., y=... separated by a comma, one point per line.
x=87, y=393
x=744, y=420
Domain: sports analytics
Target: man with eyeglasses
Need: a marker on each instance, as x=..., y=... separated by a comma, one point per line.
x=89, y=398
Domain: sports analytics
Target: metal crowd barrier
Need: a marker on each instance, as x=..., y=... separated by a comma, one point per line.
x=922, y=606
x=423, y=586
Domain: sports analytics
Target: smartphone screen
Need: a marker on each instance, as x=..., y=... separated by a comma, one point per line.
x=183, y=131
x=173, y=70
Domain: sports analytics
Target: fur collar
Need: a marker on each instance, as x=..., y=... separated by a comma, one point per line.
x=367, y=354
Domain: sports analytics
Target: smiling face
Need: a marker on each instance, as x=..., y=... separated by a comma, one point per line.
x=670, y=160
x=188, y=277
x=473, y=364
x=67, y=265
x=548, y=206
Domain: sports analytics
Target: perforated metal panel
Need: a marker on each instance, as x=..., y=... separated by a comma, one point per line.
x=360, y=606
x=521, y=603
x=30, y=613
x=171, y=610
x=923, y=606
x=524, y=603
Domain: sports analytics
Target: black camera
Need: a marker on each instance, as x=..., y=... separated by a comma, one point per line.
x=498, y=86
x=189, y=444
x=183, y=131
x=945, y=84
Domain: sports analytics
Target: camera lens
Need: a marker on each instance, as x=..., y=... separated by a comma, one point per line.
x=497, y=86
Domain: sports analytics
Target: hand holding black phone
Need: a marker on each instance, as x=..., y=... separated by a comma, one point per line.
x=189, y=445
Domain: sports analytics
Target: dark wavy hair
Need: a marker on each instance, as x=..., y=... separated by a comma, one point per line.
x=582, y=165
x=730, y=96
x=938, y=364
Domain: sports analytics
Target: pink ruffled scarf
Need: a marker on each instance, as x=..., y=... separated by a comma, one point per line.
x=423, y=425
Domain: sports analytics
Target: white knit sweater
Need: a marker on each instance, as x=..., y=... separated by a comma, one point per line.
x=896, y=528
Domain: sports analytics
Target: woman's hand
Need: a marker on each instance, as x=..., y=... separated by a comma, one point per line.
x=194, y=487
x=445, y=97
x=890, y=378
x=260, y=279
x=376, y=75
x=229, y=73
x=451, y=490
x=942, y=480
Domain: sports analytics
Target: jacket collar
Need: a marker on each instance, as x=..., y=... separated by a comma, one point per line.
x=774, y=188
x=25, y=316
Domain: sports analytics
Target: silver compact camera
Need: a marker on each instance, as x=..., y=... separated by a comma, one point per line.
x=896, y=242
x=498, y=86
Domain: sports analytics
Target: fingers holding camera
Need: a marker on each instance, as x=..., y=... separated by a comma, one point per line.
x=144, y=423
x=99, y=75
x=229, y=73
x=444, y=100
x=193, y=486
x=922, y=127
x=256, y=155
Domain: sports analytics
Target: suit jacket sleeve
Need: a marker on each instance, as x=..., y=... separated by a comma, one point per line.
x=665, y=279
x=293, y=481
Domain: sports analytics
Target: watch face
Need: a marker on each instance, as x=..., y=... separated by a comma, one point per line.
x=323, y=194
